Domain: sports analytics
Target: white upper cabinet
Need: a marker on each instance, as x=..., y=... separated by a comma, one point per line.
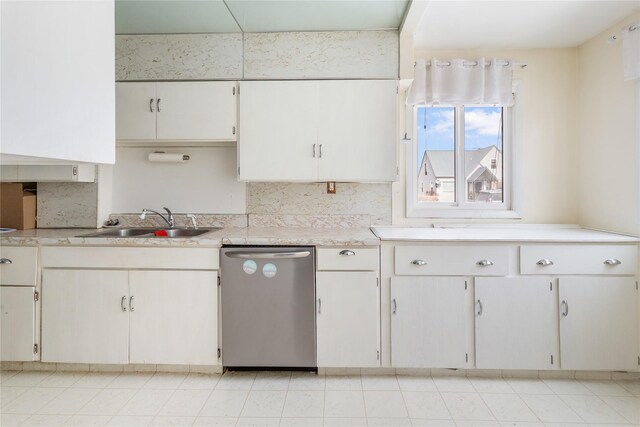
x=58, y=77
x=278, y=131
x=318, y=131
x=204, y=111
x=357, y=130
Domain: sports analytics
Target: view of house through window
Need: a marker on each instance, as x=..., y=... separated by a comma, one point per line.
x=449, y=162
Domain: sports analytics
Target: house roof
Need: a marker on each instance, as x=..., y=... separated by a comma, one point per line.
x=483, y=172
x=443, y=164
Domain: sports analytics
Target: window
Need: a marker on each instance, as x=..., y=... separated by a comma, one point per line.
x=460, y=162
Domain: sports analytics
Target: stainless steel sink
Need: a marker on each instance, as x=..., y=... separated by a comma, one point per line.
x=150, y=232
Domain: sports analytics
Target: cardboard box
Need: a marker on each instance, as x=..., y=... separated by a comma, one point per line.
x=17, y=207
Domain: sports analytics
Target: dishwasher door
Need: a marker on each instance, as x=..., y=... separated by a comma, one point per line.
x=268, y=306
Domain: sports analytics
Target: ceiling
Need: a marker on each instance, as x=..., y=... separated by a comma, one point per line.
x=516, y=24
x=437, y=24
x=229, y=16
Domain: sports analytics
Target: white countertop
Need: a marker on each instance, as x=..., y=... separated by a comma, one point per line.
x=356, y=236
x=496, y=234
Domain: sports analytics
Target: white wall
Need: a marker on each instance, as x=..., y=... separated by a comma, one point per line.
x=549, y=165
x=608, y=147
x=58, y=80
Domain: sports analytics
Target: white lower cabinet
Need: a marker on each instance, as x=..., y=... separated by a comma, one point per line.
x=84, y=316
x=516, y=323
x=172, y=317
x=599, y=323
x=347, y=319
x=17, y=323
x=119, y=316
x=429, y=322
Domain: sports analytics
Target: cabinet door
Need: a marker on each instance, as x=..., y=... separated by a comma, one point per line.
x=174, y=317
x=347, y=319
x=516, y=323
x=429, y=322
x=279, y=131
x=196, y=110
x=17, y=323
x=135, y=110
x=85, y=317
x=357, y=130
x=599, y=323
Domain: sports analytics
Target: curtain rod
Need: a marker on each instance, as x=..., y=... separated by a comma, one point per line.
x=503, y=63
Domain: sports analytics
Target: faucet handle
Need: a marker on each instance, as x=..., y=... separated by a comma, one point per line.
x=192, y=217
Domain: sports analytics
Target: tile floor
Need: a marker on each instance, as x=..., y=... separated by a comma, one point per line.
x=303, y=399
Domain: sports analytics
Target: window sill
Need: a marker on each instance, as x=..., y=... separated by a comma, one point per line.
x=463, y=213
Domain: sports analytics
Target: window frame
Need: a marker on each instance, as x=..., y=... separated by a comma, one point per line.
x=511, y=154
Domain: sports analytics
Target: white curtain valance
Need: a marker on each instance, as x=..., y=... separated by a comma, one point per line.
x=461, y=81
x=631, y=51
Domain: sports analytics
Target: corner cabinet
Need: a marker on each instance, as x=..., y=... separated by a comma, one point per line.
x=125, y=305
x=331, y=130
x=204, y=111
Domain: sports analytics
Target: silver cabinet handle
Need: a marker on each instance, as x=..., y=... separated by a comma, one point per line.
x=479, y=312
x=158, y=105
x=320, y=150
x=484, y=263
x=612, y=261
x=544, y=262
x=395, y=306
x=347, y=252
x=122, y=302
x=151, y=105
x=5, y=261
x=314, y=150
x=565, y=312
x=419, y=262
x=131, y=307
x=319, y=306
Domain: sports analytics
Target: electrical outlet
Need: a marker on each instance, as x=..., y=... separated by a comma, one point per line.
x=331, y=188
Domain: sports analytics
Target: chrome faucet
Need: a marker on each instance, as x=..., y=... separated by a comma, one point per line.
x=168, y=219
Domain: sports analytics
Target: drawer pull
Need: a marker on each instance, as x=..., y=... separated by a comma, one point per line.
x=544, y=262
x=131, y=307
x=5, y=261
x=419, y=262
x=612, y=261
x=479, y=312
x=122, y=302
x=347, y=252
x=565, y=312
x=395, y=306
x=484, y=263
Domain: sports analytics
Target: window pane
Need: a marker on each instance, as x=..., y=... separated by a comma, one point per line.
x=483, y=154
x=436, y=151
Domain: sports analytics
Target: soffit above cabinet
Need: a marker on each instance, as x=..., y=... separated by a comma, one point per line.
x=234, y=16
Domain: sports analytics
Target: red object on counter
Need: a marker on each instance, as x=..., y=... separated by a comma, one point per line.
x=160, y=233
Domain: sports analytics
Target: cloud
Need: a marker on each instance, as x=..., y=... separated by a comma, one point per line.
x=442, y=120
x=482, y=122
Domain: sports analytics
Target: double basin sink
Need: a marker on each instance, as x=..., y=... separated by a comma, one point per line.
x=151, y=232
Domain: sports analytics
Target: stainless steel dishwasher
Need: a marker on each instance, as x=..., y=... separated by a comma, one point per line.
x=268, y=306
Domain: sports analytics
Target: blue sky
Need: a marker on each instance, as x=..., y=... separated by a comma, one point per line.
x=482, y=128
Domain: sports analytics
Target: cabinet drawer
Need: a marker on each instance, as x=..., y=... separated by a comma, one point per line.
x=451, y=260
x=579, y=259
x=19, y=266
x=357, y=258
x=130, y=258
